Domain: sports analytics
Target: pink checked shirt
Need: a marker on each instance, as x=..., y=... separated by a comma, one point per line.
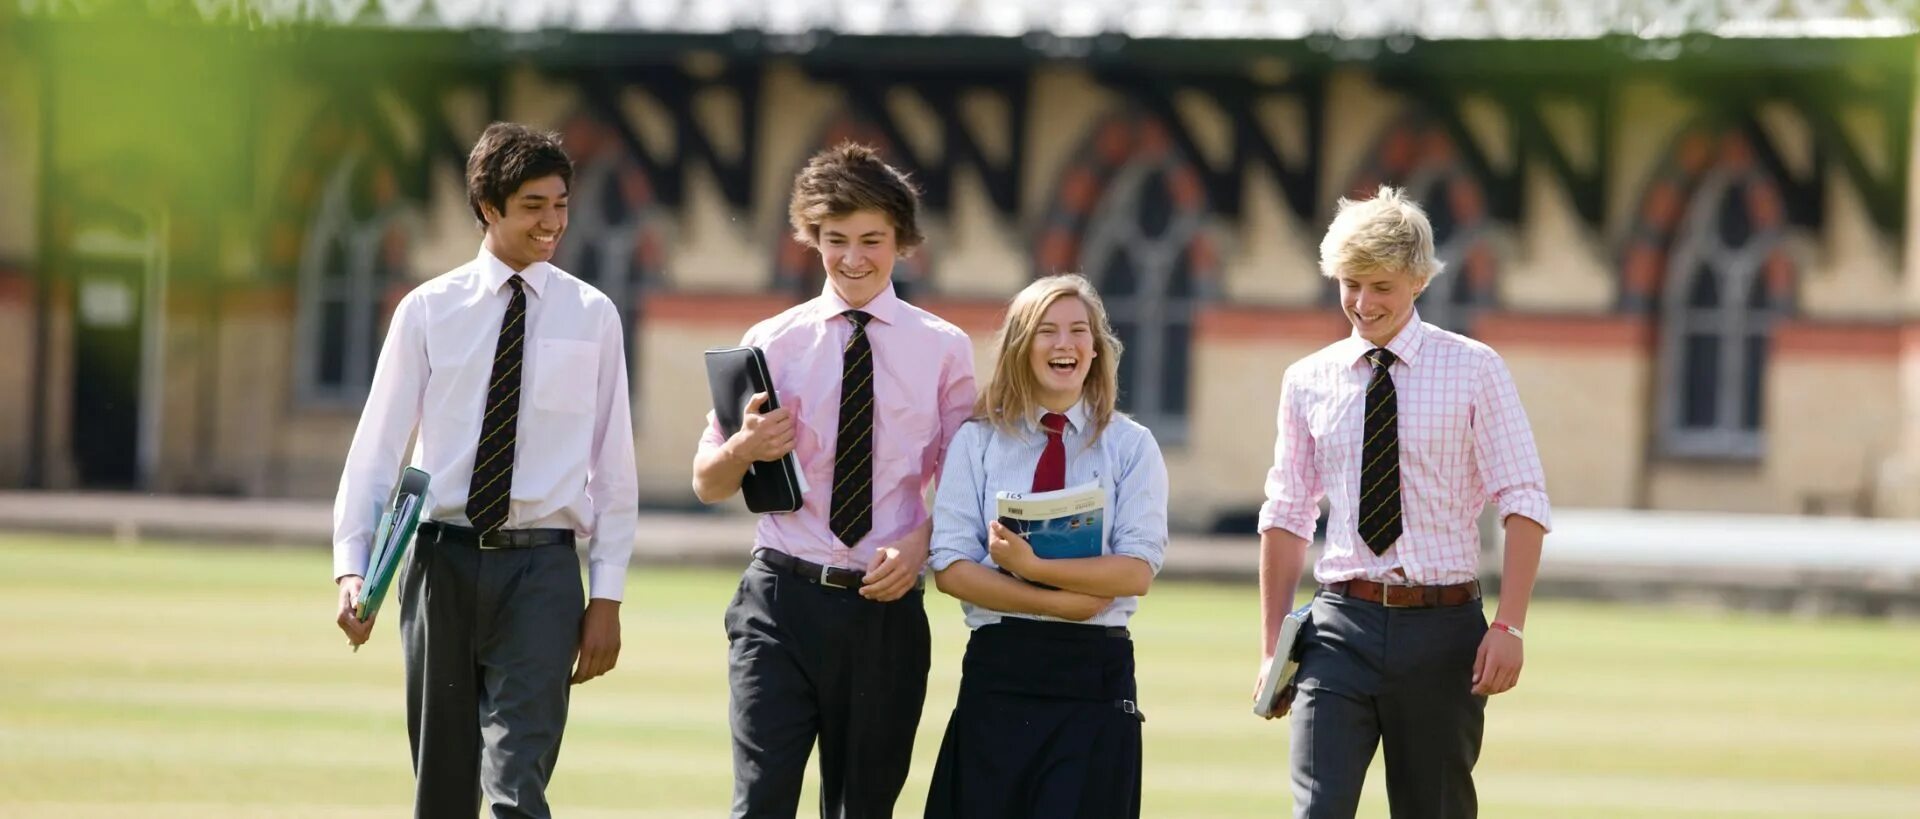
x=923, y=386
x=1464, y=440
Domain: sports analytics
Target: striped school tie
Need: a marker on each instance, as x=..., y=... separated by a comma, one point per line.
x=1380, y=474
x=493, y=461
x=852, y=514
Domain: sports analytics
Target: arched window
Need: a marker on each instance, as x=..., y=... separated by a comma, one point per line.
x=1726, y=282
x=1135, y=250
x=1130, y=213
x=352, y=249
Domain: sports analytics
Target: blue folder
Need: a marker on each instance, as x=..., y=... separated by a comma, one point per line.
x=390, y=542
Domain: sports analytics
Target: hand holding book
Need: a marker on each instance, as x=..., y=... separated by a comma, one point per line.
x=1273, y=693
x=765, y=434
x=1035, y=526
x=360, y=597
x=744, y=401
x=1008, y=549
x=356, y=629
x=1014, y=557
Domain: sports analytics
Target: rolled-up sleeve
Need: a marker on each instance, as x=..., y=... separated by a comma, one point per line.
x=1504, y=448
x=1140, y=504
x=1293, y=483
x=959, y=503
x=712, y=436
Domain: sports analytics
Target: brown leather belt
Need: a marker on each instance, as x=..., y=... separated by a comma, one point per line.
x=1396, y=596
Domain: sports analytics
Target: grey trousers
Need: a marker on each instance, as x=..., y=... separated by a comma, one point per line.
x=1371, y=675
x=489, y=637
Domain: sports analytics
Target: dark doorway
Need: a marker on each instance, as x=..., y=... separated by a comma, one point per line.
x=108, y=318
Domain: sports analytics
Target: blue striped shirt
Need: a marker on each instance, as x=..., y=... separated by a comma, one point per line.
x=983, y=460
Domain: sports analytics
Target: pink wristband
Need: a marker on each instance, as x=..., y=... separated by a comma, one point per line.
x=1508, y=629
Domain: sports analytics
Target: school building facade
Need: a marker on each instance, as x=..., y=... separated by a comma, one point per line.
x=1688, y=243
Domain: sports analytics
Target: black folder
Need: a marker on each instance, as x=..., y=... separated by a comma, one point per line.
x=734, y=374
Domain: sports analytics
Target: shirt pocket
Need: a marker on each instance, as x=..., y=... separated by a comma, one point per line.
x=569, y=372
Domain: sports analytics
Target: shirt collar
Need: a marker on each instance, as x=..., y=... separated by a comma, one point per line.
x=886, y=307
x=1076, y=417
x=1405, y=345
x=495, y=273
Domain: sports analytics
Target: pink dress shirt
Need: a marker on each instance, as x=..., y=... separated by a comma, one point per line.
x=923, y=385
x=1464, y=440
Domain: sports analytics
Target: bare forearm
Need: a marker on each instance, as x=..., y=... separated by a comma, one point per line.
x=918, y=539
x=717, y=473
x=1518, y=570
x=984, y=587
x=1283, y=556
x=1103, y=576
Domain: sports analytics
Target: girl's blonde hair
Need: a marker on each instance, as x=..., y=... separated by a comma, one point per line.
x=1012, y=392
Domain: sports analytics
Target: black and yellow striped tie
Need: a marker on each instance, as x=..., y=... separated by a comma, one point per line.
x=852, y=496
x=493, y=461
x=1380, y=456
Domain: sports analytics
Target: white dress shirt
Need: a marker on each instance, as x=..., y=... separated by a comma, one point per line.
x=573, y=464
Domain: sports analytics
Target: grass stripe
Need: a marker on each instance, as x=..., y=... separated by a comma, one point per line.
x=165, y=681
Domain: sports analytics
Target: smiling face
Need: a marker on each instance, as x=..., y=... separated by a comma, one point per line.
x=1381, y=252
x=529, y=228
x=858, y=251
x=1062, y=352
x=1055, y=348
x=1378, y=302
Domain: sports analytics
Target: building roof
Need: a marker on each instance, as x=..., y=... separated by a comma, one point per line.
x=1135, y=19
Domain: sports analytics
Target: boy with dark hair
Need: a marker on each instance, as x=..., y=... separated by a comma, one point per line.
x=515, y=377
x=828, y=634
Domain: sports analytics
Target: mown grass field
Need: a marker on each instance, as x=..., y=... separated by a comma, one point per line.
x=166, y=681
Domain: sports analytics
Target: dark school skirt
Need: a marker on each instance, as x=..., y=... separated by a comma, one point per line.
x=1046, y=727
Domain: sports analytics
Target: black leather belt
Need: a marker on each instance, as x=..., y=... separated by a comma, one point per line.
x=832, y=577
x=434, y=531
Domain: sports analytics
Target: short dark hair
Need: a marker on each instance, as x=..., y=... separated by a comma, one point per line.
x=851, y=177
x=507, y=156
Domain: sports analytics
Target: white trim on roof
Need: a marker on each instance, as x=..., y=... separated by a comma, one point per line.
x=1142, y=19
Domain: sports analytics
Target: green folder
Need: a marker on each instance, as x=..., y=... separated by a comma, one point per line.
x=391, y=540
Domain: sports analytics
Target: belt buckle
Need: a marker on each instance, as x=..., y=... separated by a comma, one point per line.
x=825, y=572
x=1386, y=594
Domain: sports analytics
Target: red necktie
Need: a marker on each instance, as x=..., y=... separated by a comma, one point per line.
x=1051, y=473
